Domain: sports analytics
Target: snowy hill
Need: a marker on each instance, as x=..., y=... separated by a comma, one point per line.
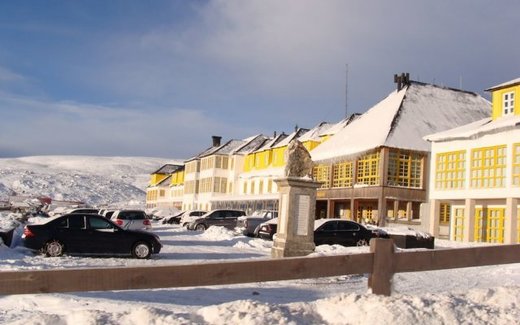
x=93, y=180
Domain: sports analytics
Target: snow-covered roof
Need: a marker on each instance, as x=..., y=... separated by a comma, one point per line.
x=476, y=129
x=272, y=142
x=341, y=124
x=505, y=84
x=402, y=119
x=315, y=132
x=168, y=169
x=251, y=144
x=295, y=135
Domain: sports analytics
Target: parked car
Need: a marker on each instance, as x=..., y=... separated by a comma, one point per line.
x=132, y=219
x=190, y=216
x=248, y=225
x=266, y=230
x=184, y=217
x=88, y=234
x=342, y=232
x=221, y=217
x=108, y=213
x=174, y=218
x=84, y=210
x=330, y=232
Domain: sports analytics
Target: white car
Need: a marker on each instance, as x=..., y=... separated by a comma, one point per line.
x=190, y=216
x=132, y=219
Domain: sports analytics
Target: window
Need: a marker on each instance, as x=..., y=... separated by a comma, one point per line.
x=329, y=226
x=458, y=224
x=192, y=167
x=62, y=223
x=219, y=184
x=321, y=173
x=488, y=167
x=404, y=169
x=97, y=223
x=77, y=222
x=508, y=103
x=479, y=234
x=495, y=225
x=445, y=213
x=342, y=175
x=516, y=164
x=348, y=226
x=450, y=170
x=368, y=169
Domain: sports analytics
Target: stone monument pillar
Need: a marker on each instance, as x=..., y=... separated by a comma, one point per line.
x=297, y=205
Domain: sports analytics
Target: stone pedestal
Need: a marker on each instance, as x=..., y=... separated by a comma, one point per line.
x=297, y=207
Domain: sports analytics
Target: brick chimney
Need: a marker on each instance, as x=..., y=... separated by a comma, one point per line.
x=216, y=140
x=402, y=80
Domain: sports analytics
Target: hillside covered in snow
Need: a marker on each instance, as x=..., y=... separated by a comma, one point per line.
x=93, y=180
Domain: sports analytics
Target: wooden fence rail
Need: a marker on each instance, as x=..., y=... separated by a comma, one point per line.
x=381, y=263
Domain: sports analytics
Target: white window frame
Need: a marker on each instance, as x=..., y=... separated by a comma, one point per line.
x=508, y=102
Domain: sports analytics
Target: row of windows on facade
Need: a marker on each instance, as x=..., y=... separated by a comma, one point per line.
x=221, y=185
x=489, y=223
x=487, y=168
x=223, y=162
x=404, y=169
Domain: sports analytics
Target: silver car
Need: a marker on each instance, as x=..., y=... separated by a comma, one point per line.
x=132, y=219
x=249, y=225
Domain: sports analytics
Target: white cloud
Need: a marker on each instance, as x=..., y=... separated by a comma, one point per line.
x=46, y=127
x=8, y=76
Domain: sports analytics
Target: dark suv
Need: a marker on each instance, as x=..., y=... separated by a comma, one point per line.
x=222, y=217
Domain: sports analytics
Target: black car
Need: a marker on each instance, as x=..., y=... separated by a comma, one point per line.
x=330, y=232
x=341, y=232
x=220, y=217
x=88, y=234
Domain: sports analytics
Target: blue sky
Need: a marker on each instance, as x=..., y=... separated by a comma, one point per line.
x=159, y=78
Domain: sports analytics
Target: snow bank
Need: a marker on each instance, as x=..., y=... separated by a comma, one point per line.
x=218, y=233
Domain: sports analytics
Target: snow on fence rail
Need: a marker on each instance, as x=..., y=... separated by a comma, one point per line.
x=381, y=263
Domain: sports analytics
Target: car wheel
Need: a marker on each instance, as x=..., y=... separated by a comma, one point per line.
x=54, y=248
x=200, y=227
x=142, y=250
x=362, y=242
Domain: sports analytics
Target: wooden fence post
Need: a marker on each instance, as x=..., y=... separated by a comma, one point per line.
x=380, y=280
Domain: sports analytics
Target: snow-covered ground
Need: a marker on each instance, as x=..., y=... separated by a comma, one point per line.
x=483, y=295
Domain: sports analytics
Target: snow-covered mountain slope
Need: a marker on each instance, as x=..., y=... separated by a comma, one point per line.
x=93, y=180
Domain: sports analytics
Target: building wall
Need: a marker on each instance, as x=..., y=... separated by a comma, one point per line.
x=498, y=100
x=478, y=210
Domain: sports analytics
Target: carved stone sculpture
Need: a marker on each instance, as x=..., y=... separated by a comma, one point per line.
x=299, y=162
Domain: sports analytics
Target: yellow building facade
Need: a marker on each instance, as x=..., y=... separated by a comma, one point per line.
x=475, y=175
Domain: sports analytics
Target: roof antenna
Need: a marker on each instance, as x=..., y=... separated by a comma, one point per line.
x=346, y=90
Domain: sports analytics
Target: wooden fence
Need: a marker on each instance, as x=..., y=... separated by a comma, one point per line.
x=381, y=263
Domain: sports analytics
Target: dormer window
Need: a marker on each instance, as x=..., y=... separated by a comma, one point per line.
x=508, y=103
